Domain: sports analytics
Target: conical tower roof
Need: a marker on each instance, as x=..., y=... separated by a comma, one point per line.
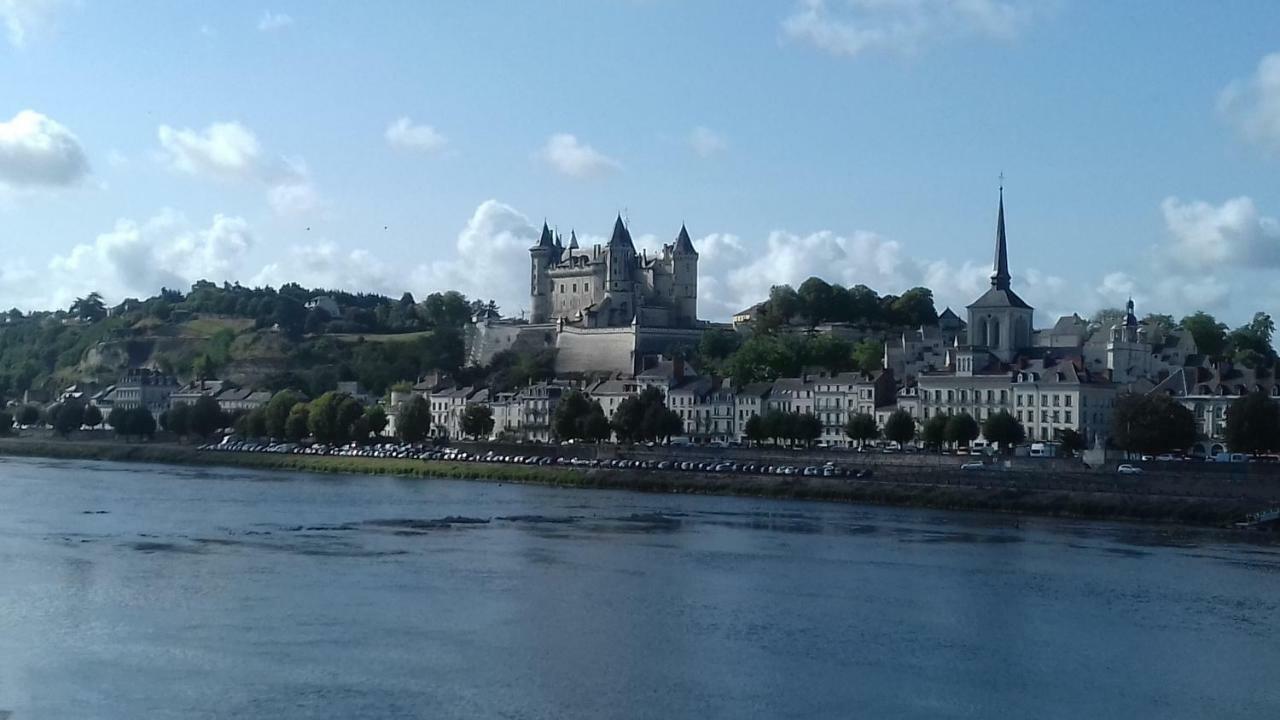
x=621, y=236
x=684, y=246
x=546, y=240
x=573, y=240
x=1000, y=272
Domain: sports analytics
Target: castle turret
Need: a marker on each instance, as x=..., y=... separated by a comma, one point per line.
x=684, y=260
x=620, y=272
x=541, y=256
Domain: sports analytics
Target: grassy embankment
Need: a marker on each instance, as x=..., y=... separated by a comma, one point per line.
x=1028, y=500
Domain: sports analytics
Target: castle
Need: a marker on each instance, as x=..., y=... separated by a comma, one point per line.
x=603, y=310
x=613, y=286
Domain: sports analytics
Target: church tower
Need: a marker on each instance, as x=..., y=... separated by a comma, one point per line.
x=685, y=279
x=1000, y=321
x=541, y=257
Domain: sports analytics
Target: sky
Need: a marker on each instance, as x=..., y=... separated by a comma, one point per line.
x=419, y=146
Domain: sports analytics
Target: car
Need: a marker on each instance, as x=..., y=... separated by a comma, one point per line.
x=1127, y=469
x=1167, y=457
x=970, y=466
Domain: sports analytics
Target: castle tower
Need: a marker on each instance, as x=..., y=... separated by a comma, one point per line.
x=1000, y=321
x=620, y=272
x=685, y=279
x=1128, y=356
x=541, y=257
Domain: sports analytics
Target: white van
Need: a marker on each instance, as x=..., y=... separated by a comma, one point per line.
x=1230, y=457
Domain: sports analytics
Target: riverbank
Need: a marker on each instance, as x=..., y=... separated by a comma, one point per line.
x=935, y=488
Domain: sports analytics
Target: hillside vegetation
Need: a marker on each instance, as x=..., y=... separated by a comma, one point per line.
x=258, y=337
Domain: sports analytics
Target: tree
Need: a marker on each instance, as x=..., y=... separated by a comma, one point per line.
x=596, y=426
x=254, y=423
x=202, y=368
x=477, y=420
x=1151, y=424
x=92, y=416
x=1253, y=339
x=1072, y=442
x=118, y=419
x=323, y=418
x=298, y=425
x=277, y=412
x=860, y=428
x=140, y=422
x=571, y=412
x=89, y=308
x=817, y=301
x=776, y=425
x=1209, y=334
x=28, y=415
x=6, y=422
x=962, y=429
x=1161, y=323
x=206, y=416
x=177, y=420
x=808, y=428
x=1004, y=429
x=290, y=315
x=1107, y=317
x=413, y=419
x=915, y=307
x=934, y=431
x=868, y=356
x=66, y=416
x=376, y=416
x=754, y=430
x=1253, y=424
x=900, y=427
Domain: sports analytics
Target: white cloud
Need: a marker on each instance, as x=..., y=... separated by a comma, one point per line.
x=326, y=265
x=1252, y=105
x=36, y=150
x=851, y=27
x=230, y=151
x=490, y=259
x=572, y=157
x=706, y=142
x=404, y=135
x=137, y=259
x=1206, y=237
x=273, y=21
x=226, y=149
x=24, y=19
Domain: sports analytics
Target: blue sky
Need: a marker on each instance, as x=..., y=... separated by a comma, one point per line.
x=415, y=146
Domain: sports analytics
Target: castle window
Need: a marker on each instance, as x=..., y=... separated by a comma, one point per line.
x=575, y=287
x=586, y=287
x=561, y=287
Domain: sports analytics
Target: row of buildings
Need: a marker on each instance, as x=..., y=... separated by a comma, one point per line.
x=1063, y=377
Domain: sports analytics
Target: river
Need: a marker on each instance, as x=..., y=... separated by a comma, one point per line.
x=132, y=591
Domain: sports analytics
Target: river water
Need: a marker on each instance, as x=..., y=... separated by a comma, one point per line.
x=148, y=592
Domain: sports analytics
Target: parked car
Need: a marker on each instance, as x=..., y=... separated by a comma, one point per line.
x=970, y=466
x=1127, y=469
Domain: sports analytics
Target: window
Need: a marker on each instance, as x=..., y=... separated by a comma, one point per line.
x=1044, y=399
x=575, y=287
x=991, y=396
x=1055, y=399
x=1004, y=397
x=1066, y=400
x=1017, y=397
x=561, y=287
x=586, y=287
x=1019, y=416
x=1067, y=416
x=1055, y=416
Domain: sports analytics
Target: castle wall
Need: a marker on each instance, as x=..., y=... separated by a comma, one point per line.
x=488, y=339
x=582, y=350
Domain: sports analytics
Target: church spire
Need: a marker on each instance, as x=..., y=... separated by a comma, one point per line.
x=683, y=245
x=1000, y=273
